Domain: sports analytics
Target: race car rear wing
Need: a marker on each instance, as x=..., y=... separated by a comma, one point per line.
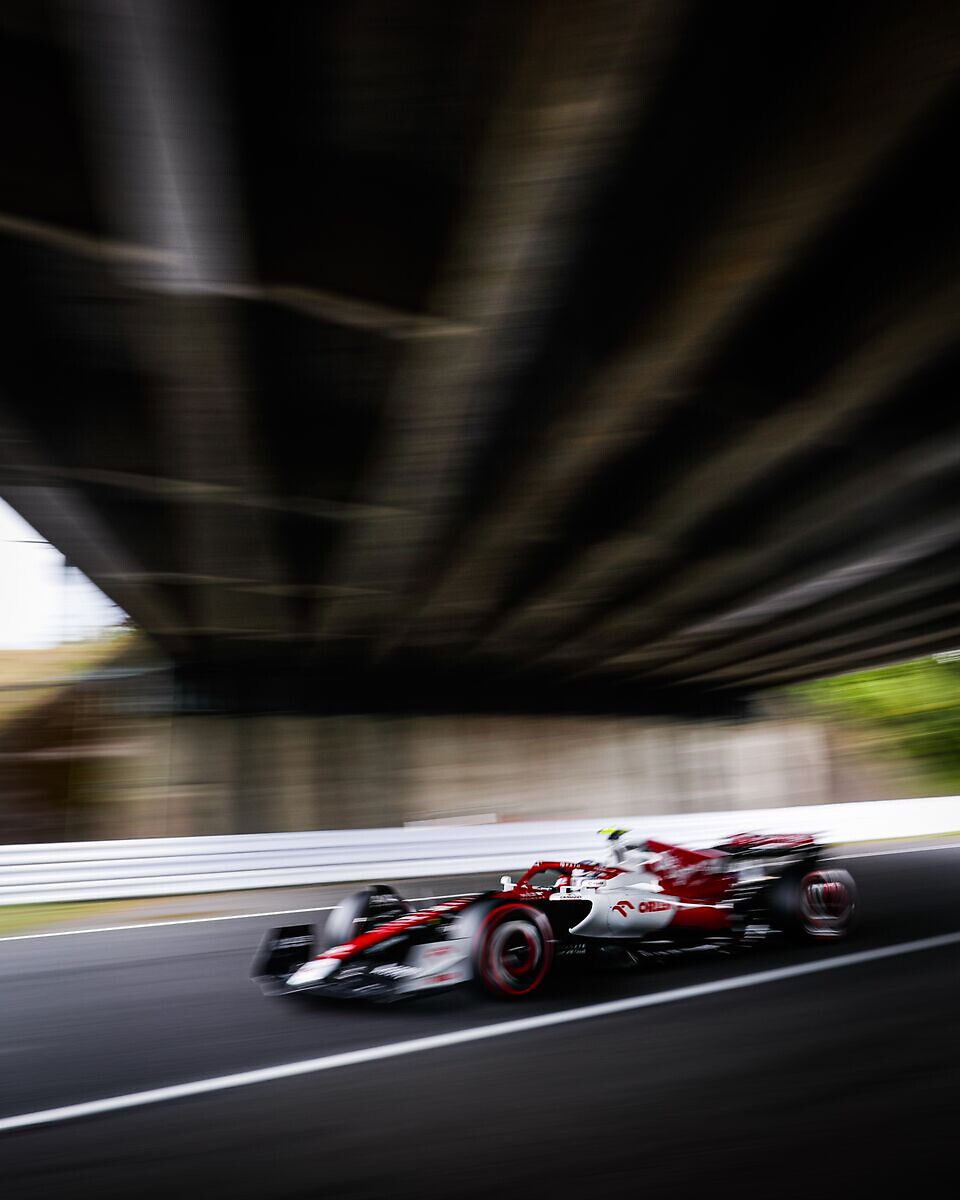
x=773, y=845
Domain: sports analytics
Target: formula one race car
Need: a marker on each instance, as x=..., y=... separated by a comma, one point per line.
x=647, y=900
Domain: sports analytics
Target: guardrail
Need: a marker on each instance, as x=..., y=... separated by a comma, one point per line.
x=74, y=871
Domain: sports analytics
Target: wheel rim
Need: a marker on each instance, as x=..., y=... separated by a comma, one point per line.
x=826, y=906
x=515, y=952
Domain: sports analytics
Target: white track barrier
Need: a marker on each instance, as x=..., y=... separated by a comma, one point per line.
x=74, y=871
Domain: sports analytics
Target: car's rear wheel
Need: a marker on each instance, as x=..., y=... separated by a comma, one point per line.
x=513, y=951
x=817, y=905
x=828, y=904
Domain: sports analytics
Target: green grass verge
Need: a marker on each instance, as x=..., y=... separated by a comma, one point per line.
x=29, y=918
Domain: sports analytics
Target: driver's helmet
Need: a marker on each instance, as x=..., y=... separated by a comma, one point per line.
x=633, y=850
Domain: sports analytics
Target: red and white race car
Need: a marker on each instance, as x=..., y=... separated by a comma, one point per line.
x=647, y=899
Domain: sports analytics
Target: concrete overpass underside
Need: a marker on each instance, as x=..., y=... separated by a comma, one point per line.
x=552, y=356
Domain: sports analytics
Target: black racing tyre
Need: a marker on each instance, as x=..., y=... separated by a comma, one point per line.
x=816, y=905
x=512, y=951
x=363, y=911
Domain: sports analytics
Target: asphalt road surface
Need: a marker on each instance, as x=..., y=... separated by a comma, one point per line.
x=846, y=1078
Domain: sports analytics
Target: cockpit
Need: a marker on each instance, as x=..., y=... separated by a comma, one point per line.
x=551, y=877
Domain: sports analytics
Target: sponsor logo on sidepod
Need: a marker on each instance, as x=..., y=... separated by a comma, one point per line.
x=645, y=906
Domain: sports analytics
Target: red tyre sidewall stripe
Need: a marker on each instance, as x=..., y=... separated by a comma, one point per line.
x=491, y=921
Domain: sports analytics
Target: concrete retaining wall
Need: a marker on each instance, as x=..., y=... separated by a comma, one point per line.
x=212, y=775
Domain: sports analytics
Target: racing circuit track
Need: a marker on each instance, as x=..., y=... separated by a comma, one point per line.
x=810, y=1080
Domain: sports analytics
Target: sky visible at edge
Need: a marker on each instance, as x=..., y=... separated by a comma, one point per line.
x=41, y=603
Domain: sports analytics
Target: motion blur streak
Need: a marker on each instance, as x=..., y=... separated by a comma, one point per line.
x=351, y=1058
x=288, y=912
x=280, y=912
x=481, y=416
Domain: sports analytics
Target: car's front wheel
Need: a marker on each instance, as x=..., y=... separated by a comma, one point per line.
x=513, y=950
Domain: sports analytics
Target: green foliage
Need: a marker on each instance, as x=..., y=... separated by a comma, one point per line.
x=911, y=709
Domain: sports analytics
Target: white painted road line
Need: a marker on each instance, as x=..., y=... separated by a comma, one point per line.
x=459, y=1037
x=282, y=912
x=290, y=912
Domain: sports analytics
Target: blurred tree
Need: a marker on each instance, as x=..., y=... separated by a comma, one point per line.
x=910, y=709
